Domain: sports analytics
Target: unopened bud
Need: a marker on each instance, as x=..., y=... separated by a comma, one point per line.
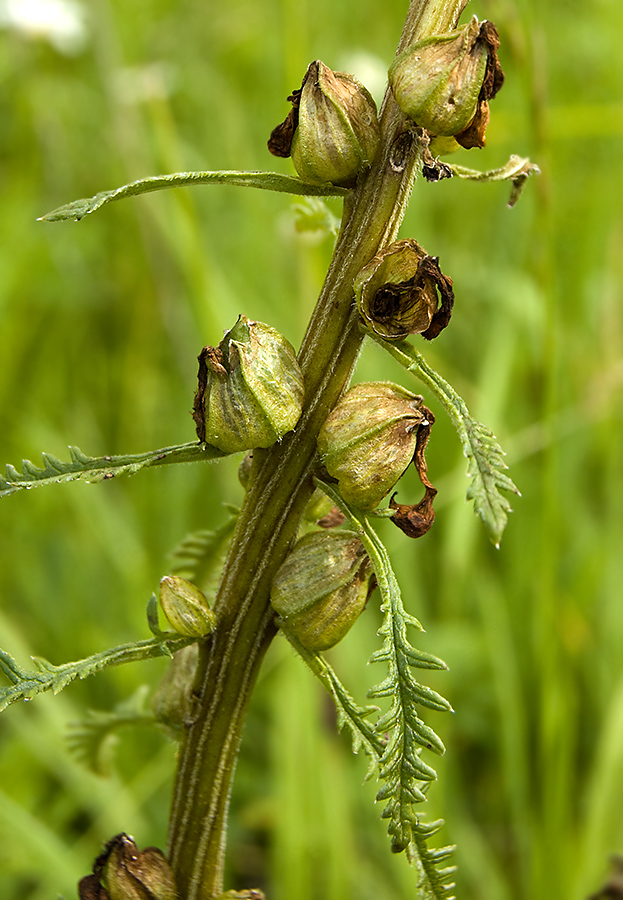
x=172, y=698
x=444, y=82
x=396, y=293
x=250, y=391
x=332, y=131
x=186, y=607
x=369, y=440
x=322, y=587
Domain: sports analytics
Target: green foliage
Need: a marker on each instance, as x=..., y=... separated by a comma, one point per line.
x=349, y=715
x=95, y=469
x=111, y=322
x=27, y=683
x=91, y=738
x=401, y=768
x=485, y=457
x=198, y=555
x=267, y=181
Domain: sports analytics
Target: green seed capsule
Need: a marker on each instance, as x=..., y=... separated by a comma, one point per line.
x=186, y=607
x=250, y=391
x=322, y=587
x=332, y=131
x=439, y=82
x=396, y=293
x=369, y=439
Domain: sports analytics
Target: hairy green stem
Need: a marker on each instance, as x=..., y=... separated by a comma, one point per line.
x=281, y=485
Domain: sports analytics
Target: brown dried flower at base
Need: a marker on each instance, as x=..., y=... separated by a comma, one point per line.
x=89, y=888
x=613, y=888
x=397, y=293
x=123, y=872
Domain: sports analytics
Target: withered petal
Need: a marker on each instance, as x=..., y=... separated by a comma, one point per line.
x=89, y=888
x=494, y=76
x=333, y=519
x=415, y=521
x=433, y=169
x=441, y=318
x=280, y=140
x=199, y=402
x=474, y=134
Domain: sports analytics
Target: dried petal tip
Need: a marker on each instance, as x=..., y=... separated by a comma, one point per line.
x=444, y=82
x=369, y=440
x=322, y=588
x=250, y=391
x=416, y=519
x=396, y=293
x=186, y=607
x=332, y=131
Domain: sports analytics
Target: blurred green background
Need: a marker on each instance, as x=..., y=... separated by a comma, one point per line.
x=100, y=326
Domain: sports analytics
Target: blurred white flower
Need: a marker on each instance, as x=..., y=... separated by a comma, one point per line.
x=61, y=22
x=141, y=84
x=369, y=69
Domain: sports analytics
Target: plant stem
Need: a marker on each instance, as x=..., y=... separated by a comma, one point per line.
x=280, y=487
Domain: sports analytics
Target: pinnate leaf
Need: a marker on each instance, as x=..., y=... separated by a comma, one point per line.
x=485, y=458
x=403, y=732
x=27, y=683
x=99, y=468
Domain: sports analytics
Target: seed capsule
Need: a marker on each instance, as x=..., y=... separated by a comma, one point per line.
x=186, y=607
x=332, y=131
x=322, y=587
x=396, y=293
x=369, y=439
x=250, y=391
x=128, y=873
x=444, y=82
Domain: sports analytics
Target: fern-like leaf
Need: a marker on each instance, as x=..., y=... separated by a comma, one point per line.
x=364, y=735
x=402, y=730
x=197, y=557
x=91, y=739
x=26, y=683
x=266, y=181
x=485, y=458
x=99, y=468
